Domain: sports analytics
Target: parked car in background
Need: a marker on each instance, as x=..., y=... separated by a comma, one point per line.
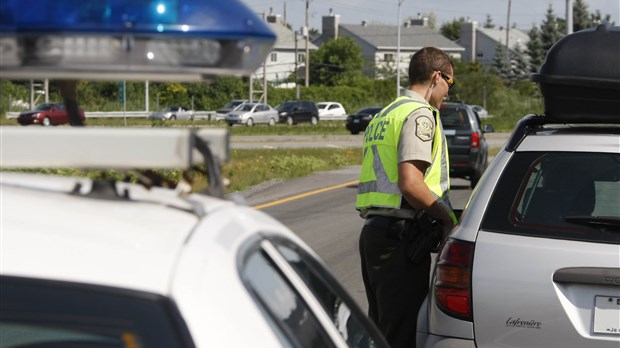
x=220, y=114
x=173, y=113
x=295, y=111
x=467, y=146
x=535, y=258
x=109, y=263
x=482, y=112
x=358, y=122
x=251, y=114
x=48, y=114
x=331, y=111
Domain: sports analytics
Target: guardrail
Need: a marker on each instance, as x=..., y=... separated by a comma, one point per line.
x=198, y=115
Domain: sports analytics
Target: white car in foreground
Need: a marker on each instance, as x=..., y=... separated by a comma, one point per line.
x=102, y=262
x=331, y=111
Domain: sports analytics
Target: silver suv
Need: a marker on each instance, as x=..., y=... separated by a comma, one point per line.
x=535, y=258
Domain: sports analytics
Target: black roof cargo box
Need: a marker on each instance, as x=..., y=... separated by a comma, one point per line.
x=580, y=78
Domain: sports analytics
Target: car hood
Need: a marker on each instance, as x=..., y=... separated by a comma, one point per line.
x=29, y=113
x=238, y=113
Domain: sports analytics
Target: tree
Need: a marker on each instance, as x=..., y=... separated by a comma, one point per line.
x=452, y=30
x=596, y=18
x=581, y=17
x=535, y=49
x=501, y=65
x=551, y=30
x=338, y=62
x=520, y=64
x=488, y=22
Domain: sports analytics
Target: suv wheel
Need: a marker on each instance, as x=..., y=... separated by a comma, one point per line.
x=289, y=121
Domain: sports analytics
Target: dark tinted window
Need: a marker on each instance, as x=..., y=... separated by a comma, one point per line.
x=36, y=313
x=558, y=195
x=297, y=325
x=351, y=323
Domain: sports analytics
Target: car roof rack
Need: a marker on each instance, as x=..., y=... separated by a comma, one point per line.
x=118, y=148
x=580, y=79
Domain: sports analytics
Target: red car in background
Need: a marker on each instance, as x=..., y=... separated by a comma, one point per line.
x=48, y=114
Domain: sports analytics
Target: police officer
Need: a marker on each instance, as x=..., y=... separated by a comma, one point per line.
x=404, y=172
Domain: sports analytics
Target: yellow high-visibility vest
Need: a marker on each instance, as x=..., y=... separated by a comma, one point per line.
x=378, y=183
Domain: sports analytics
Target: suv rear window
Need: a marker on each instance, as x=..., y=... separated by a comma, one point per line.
x=454, y=118
x=565, y=195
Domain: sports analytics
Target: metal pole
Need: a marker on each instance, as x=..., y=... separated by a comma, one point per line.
x=569, y=17
x=296, y=69
x=400, y=2
x=125, y=102
x=307, y=82
x=146, y=95
x=507, y=33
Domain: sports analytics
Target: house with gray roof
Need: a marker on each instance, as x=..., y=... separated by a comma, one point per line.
x=281, y=62
x=481, y=43
x=380, y=42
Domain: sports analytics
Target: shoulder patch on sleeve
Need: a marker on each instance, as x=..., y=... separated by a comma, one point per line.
x=424, y=128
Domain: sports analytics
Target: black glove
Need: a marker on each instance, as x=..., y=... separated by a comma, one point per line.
x=427, y=236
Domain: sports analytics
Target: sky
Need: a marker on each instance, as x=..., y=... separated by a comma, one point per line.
x=525, y=13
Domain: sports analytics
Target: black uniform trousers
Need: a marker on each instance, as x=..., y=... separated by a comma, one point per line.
x=395, y=287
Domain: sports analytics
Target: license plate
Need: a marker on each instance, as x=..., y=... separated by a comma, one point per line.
x=607, y=315
x=356, y=121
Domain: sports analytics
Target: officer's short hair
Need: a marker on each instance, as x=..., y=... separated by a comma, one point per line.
x=425, y=62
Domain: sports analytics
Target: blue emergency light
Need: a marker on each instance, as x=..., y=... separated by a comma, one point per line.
x=160, y=40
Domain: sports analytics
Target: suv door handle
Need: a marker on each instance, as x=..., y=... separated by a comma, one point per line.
x=588, y=275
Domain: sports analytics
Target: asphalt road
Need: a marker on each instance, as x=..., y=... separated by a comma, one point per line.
x=320, y=209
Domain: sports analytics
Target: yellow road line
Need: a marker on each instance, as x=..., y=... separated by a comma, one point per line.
x=292, y=198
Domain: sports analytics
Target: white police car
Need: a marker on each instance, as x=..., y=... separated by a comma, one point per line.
x=106, y=263
x=88, y=263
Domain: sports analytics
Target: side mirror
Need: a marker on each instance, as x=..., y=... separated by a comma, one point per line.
x=488, y=128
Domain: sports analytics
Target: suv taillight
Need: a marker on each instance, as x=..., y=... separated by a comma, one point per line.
x=475, y=140
x=453, y=279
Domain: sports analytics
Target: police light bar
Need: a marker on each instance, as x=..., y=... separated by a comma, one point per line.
x=159, y=40
x=111, y=148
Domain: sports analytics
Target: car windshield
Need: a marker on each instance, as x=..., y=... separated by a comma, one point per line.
x=285, y=106
x=44, y=107
x=233, y=104
x=321, y=105
x=171, y=108
x=368, y=111
x=245, y=107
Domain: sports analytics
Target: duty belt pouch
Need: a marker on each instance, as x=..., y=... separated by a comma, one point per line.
x=424, y=237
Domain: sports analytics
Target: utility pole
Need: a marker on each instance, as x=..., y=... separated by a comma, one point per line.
x=400, y=2
x=569, y=17
x=507, y=34
x=307, y=82
x=296, y=69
